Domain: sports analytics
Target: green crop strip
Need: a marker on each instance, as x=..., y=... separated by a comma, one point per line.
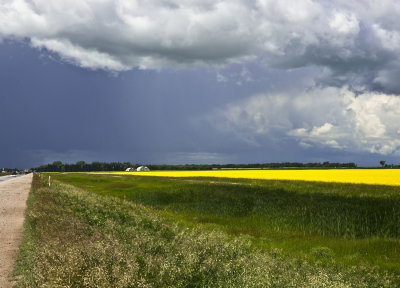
x=359, y=223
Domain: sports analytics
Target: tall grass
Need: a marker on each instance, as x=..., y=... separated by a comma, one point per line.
x=277, y=205
x=74, y=238
x=359, y=223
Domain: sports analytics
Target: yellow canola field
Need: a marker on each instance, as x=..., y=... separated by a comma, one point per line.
x=360, y=176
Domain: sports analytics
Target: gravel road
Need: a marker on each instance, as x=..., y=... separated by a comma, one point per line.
x=8, y=177
x=13, y=195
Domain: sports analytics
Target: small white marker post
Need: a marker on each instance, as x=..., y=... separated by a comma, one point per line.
x=49, y=181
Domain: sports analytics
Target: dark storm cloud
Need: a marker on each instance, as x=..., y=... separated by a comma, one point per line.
x=53, y=111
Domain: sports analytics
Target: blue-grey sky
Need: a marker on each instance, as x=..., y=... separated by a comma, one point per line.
x=177, y=82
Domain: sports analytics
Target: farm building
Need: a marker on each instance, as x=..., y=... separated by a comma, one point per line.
x=130, y=169
x=142, y=168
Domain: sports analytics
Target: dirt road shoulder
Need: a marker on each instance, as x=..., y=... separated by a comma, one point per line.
x=13, y=196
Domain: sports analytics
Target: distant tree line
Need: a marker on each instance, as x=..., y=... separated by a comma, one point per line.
x=82, y=166
x=385, y=165
x=10, y=170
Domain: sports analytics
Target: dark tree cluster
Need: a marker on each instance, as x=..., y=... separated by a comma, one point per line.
x=386, y=166
x=11, y=171
x=82, y=166
x=252, y=166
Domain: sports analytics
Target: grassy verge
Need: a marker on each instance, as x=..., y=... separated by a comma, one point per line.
x=25, y=261
x=359, y=224
x=74, y=238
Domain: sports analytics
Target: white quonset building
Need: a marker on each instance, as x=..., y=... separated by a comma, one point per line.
x=130, y=169
x=142, y=169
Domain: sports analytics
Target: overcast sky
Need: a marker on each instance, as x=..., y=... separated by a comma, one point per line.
x=175, y=82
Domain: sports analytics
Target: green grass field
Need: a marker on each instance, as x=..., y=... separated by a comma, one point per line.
x=359, y=223
x=250, y=232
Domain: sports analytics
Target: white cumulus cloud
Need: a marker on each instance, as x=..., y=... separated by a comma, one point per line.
x=360, y=39
x=322, y=117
